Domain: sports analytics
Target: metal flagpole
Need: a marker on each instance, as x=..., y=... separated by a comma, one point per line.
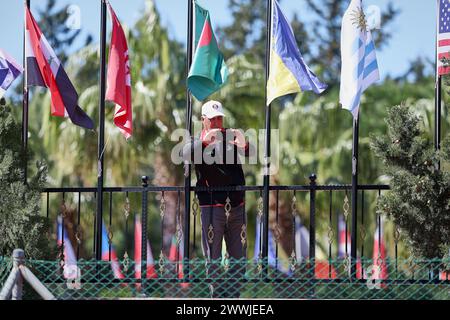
x=438, y=99
x=187, y=178
x=354, y=194
x=265, y=231
x=25, y=99
x=101, y=134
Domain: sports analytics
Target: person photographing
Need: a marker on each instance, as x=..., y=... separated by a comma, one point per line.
x=222, y=212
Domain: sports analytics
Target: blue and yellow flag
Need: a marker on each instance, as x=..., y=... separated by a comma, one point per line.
x=288, y=73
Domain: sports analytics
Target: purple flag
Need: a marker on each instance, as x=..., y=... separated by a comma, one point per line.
x=9, y=71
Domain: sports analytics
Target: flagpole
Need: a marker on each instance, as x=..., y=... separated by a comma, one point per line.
x=438, y=99
x=354, y=194
x=101, y=134
x=187, y=178
x=25, y=100
x=265, y=231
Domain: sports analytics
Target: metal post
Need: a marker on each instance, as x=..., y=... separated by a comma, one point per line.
x=437, y=117
x=101, y=134
x=18, y=260
x=354, y=194
x=25, y=100
x=438, y=99
x=144, y=228
x=312, y=221
x=266, y=181
x=187, y=178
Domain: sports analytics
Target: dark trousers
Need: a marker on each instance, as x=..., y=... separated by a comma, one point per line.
x=215, y=228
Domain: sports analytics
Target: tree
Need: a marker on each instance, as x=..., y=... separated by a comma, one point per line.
x=21, y=225
x=53, y=24
x=419, y=199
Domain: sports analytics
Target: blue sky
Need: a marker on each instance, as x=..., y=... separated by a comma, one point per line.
x=413, y=31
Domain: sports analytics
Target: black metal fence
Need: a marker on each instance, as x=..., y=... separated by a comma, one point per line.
x=314, y=208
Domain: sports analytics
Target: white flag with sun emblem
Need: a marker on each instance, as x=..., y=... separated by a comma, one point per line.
x=359, y=62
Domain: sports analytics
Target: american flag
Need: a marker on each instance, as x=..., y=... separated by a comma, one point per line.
x=443, y=41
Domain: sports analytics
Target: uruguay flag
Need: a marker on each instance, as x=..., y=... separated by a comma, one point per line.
x=71, y=270
x=359, y=61
x=44, y=69
x=288, y=73
x=9, y=71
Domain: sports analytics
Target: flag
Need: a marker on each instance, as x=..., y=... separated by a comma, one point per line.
x=44, y=69
x=345, y=245
x=288, y=72
x=9, y=71
x=359, y=62
x=70, y=269
x=379, y=253
x=178, y=259
x=151, y=272
x=118, y=86
x=110, y=255
x=443, y=36
x=345, y=242
x=208, y=72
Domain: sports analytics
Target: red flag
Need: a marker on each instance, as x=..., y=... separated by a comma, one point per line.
x=178, y=260
x=118, y=86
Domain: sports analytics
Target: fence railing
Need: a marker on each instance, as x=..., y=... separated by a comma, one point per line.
x=313, y=210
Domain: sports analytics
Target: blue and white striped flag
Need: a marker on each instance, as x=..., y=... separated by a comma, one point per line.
x=9, y=71
x=359, y=61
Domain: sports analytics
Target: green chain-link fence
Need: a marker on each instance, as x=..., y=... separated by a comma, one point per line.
x=402, y=279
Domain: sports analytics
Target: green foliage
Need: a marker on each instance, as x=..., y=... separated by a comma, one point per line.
x=21, y=225
x=52, y=22
x=419, y=200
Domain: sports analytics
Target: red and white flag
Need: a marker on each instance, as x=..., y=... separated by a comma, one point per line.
x=118, y=86
x=44, y=69
x=443, y=36
x=151, y=271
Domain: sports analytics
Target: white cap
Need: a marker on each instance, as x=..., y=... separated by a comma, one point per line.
x=212, y=109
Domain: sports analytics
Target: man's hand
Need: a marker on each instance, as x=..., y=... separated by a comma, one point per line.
x=211, y=136
x=239, y=139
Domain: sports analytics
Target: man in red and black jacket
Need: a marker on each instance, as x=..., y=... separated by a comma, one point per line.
x=222, y=212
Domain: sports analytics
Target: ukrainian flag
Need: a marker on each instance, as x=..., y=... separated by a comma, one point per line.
x=288, y=73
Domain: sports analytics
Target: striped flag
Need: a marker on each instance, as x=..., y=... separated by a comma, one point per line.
x=178, y=259
x=119, y=78
x=288, y=72
x=44, y=69
x=151, y=272
x=443, y=36
x=345, y=242
x=109, y=254
x=9, y=71
x=71, y=270
x=359, y=62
